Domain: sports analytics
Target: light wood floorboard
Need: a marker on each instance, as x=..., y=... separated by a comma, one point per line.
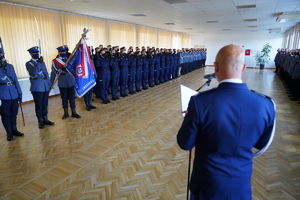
x=128, y=150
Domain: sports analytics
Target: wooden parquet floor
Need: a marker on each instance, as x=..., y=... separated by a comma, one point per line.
x=127, y=150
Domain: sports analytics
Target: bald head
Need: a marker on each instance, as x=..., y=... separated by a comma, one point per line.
x=230, y=63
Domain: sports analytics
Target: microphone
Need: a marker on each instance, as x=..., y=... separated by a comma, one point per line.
x=210, y=76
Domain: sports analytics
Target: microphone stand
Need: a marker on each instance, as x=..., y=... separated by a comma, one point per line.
x=206, y=83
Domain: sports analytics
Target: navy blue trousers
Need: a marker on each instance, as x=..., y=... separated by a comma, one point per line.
x=68, y=94
x=41, y=103
x=88, y=96
x=9, y=112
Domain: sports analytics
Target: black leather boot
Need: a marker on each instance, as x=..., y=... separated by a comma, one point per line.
x=74, y=114
x=66, y=114
x=15, y=131
x=92, y=107
x=87, y=106
x=41, y=123
x=46, y=121
x=9, y=135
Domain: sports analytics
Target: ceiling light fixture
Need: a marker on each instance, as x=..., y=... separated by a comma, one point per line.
x=288, y=17
x=169, y=23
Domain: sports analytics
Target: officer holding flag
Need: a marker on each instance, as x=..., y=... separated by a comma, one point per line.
x=66, y=82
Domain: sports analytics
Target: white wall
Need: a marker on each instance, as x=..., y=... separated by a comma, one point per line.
x=255, y=42
x=25, y=87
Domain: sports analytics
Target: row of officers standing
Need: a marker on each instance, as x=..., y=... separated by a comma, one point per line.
x=287, y=64
x=115, y=69
x=130, y=71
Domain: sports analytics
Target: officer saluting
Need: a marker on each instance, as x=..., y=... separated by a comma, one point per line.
x=10, y=93
x=40, y=85
x=66, y=82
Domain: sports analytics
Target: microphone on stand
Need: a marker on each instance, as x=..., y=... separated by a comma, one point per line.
x=210, y=76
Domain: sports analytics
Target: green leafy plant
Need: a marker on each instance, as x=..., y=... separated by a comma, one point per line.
x=263, y=57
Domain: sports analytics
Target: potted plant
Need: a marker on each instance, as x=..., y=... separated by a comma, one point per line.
x=262, y=57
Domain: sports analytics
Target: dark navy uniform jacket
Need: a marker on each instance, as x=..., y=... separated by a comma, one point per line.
x=9, y=84
x=39, y=77
x=65, y=80
x=224, y=124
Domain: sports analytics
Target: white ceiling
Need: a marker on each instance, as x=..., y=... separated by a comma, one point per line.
x=192, y=14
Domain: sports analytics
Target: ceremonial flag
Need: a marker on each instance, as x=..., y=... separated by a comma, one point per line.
x=185, y=94
x=82, y=68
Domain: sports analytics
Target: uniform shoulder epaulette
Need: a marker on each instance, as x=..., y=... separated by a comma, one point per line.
x=263, y=95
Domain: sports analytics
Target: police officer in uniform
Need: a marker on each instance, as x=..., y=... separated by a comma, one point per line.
x=66, y=82
x=223, y=142
x=10, y=94
x=40, y=85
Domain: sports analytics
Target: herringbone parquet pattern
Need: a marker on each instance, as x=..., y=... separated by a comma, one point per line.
x=127, y=149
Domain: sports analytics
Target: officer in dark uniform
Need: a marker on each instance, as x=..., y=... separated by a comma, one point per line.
x=10, y=94
x=40, y=86
x=123, y=64
x=138, y=75
x=157, y=67
x=151, y=69
x=145, y=70
x=115, y=74
x=66, y=82
x=88, y=95
x=103, y=72
x=132, y=72
x=162, y=66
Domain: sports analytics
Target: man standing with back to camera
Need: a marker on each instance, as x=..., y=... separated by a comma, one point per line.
x=224, y=124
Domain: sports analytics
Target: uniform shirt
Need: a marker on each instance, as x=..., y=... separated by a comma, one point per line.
x=224, y=124
x=9, y=84
x=39, y=77
x=65, y=80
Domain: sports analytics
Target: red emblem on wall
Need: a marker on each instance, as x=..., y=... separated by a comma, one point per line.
x=247, y=52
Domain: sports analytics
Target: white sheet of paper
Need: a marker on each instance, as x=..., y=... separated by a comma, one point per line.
x=185, y=94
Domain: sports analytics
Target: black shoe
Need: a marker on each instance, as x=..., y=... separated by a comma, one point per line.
x=151, y=85
x=74, y=114
x=92, y=107
x=88, y=108
x=46, y=121
x=41, y=123
x=117, y=97
x=15, y=131
x=114, y=98
x=144, y=88
x=294, y=99
x=126, y=95
x=66, y=114
x=108, y=101
x=122, y=95
x=104, y=102
x=131, y=92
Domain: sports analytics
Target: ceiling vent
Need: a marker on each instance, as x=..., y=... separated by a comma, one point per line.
x=211, y=22
x=246, y=6
x=138, y=15
x=227, y=29
x=169, y=23
x=250, y=20
x=175, y=1
x=252, y=26
x=188, y=28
